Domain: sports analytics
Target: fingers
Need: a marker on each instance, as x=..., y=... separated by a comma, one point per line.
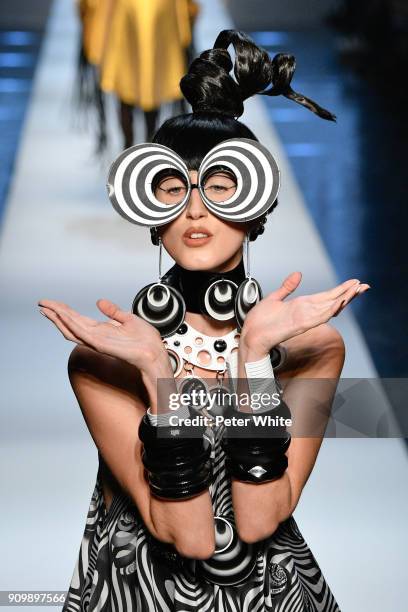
x=289, y=285
x=52, y=316
x=333, y=294
x=113, y=311
x=52, y=305
x=343, y=301
x=341, y=289
x=59, y=307
x=76, y=329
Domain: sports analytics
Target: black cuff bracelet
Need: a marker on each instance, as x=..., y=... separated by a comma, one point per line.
x=255, y=472
x=260, y=458
x=178, y=467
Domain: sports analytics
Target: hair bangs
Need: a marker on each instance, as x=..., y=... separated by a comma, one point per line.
x=193, y=135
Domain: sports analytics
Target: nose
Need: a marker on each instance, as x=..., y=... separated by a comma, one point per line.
x=195, y=207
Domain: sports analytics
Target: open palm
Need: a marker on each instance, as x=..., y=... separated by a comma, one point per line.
x=274, y=320
x=124, y=335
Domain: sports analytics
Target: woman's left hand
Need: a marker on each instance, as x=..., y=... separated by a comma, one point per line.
x=273, y=320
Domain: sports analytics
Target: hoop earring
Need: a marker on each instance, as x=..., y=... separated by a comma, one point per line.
x=249, y=292
x=160, y=304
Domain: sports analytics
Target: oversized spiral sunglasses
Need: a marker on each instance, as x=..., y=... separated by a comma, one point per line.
x=149, y=184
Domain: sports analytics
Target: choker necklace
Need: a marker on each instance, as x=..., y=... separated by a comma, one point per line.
x=220, y=295
x=208, y=292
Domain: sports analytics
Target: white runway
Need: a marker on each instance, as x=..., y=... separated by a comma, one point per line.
x=61, y=239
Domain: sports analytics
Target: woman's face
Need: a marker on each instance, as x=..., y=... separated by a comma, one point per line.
x=220, y=249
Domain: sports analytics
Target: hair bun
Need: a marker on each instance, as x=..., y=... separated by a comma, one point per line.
x=209, y=86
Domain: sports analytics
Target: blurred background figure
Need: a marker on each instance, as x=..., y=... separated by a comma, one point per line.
x=138, y=51
x=94, y=18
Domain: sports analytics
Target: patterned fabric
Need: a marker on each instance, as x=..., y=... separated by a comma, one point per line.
x=121, y=567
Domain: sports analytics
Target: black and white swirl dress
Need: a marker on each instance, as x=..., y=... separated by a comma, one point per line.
x=121, y=567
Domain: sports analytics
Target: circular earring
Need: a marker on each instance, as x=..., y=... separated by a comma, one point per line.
x=160, y=304
x=249, y=292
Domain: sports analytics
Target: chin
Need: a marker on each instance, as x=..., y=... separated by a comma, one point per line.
x=202, y=260
x=193, y=260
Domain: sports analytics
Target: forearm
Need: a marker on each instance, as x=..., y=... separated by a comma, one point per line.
x=276, y=500
x=253, y=526
x=188, y=524
x=259, y=508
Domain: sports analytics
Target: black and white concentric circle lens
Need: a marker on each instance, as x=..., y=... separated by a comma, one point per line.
x=162, y=306
x=130, y=184
x=257, y=175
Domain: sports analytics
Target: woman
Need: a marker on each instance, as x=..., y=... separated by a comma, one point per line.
x=222, y=537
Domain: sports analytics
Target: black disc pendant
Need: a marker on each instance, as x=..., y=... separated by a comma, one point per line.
x=233, y=560
x=249, y=293
x=162, y=306
x=196, y=389
x=219, y=299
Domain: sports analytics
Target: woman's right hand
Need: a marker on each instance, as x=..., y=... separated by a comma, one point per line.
x=124, y=335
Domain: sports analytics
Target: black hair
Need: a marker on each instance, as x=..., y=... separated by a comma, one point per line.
x=194, y=134
x=208, y=84
x=217, y=99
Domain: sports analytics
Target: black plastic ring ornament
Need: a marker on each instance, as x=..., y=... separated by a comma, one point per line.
x=219, y=299
x=233, y=560
x=175, y=361
x=248, y=295
x=187, y=385
x=161, y=305
x=255, y=452
x=166, y=458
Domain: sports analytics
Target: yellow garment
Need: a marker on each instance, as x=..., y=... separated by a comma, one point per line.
x=95, y=17
x=144, y=52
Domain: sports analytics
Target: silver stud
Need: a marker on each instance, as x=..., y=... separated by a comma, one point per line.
x=257, y=471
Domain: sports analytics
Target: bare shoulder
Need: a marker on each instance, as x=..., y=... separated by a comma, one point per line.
x=85, y=362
